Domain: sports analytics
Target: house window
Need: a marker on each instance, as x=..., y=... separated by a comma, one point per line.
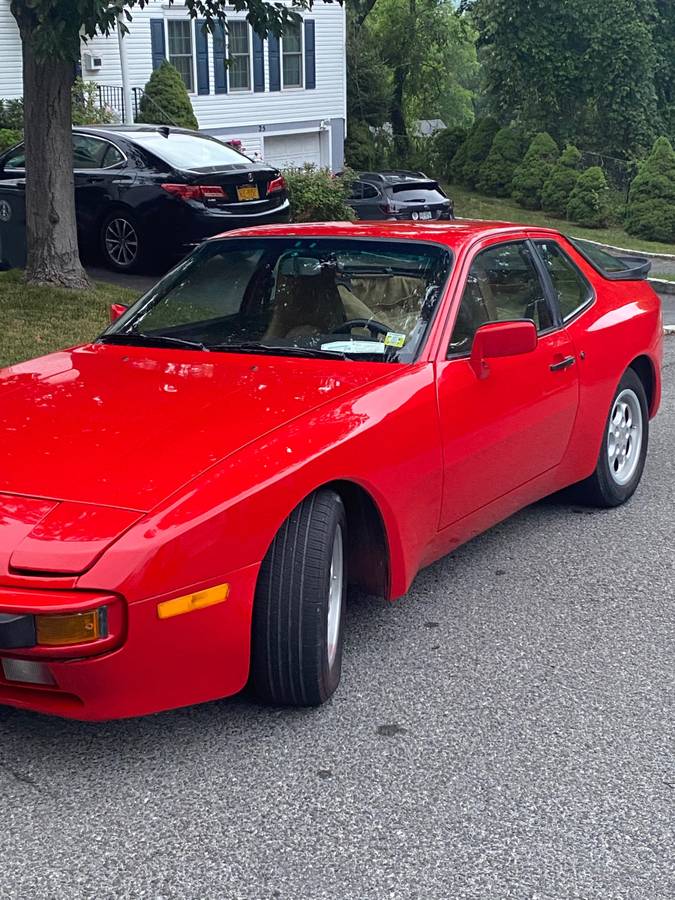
x=291, y=48
x=180, y=49
x=240, y=57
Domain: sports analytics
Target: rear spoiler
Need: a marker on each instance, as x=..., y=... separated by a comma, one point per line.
x=611, y=267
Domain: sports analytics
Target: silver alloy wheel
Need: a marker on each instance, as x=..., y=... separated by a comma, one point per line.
x=335, y=596
x=624, y=437
x=121, y=241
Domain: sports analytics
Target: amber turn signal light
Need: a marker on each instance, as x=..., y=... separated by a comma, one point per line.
x=72, y=628
x=180, y=605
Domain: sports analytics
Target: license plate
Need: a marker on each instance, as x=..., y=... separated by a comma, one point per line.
x=425, y=215
x=249, y=192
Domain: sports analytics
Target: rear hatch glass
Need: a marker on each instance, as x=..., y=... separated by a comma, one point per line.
x=420, y=192
x=619, y=267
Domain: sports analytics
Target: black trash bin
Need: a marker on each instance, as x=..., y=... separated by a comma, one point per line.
x=13, y=224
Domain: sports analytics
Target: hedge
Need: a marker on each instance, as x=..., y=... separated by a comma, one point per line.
x=496, y=173
x=532, y=174
x=561, y=182
x=589, y=202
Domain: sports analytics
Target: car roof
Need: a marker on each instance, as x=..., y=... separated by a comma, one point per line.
x=393, y=176
x=130, y=131
x=455, y=234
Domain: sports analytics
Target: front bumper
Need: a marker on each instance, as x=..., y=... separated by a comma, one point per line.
x=161, y=664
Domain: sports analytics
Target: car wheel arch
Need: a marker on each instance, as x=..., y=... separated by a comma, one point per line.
x=368, y=545
x=644, y=368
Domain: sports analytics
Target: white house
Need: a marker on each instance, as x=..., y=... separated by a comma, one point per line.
x=285, y=100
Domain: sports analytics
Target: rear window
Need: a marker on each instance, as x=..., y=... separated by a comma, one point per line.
x=189, y=151
x=422, y=190
x=616, y=268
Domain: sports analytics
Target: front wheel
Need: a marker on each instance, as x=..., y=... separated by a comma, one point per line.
x=299, y=609
x=624, y=448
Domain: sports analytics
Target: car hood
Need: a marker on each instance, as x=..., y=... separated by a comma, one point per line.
x=125, y=427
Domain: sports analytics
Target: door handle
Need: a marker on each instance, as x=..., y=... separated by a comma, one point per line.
x=563, y=364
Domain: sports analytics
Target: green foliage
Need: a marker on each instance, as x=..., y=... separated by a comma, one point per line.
x=359, y=146
x=86, y=110
x=589, y=202
x=11, y=114
x=9, y=137
x=531, y=175
x=446, y=143
x=369, y=82
x=316, y=196
x=583, y=70
x=165, y=100
x=472, y=154
x=650, y=212
x=506, y=153
x=559, y=185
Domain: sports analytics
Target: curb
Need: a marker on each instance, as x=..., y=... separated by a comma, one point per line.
x=669, y=329
x=661, y=286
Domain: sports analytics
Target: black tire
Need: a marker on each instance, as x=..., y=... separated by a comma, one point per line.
x=290, y=659
x=133, y=256
x=602, y=489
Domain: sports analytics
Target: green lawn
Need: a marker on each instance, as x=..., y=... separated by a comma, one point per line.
x=475, y=206
x=38, y=320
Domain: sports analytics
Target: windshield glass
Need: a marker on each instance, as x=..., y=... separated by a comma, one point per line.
x=311, y=296
x=189, y=151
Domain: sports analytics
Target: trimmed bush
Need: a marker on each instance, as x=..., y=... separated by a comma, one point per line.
x=165, y=100
x=559, y=185
x=531, y=175
x=590, y=200
x=474, y=151
x=650, y=213
x=446, y=144
x=506, y=154
x=316, y=196
x=9, y=137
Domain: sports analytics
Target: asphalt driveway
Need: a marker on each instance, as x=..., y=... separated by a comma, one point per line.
x=505, y=731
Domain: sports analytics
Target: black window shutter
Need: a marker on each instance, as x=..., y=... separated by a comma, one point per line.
x=157, y=42
x=258, y=64
x=310, y=55
x=275, y=62
x=202, y=53
x=220, y=76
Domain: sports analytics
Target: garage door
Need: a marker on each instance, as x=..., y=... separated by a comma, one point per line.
x=293, y=150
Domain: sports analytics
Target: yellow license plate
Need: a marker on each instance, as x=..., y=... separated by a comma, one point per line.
x=248, y=193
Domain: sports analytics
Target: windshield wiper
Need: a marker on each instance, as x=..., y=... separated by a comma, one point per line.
x=254, y=347
x=159, y=340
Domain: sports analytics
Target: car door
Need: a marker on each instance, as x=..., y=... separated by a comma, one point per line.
x=514, y=424
x=101, y=177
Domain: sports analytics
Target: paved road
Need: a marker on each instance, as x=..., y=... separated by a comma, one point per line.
x=505, y=731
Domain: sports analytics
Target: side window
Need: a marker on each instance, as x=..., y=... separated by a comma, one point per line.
x=503, y=285
x=17, y=160
x=88, y=152
x=357, y=191
x=369, y=192
x=572, y=289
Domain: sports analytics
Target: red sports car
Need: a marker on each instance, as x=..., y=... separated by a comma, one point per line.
x=293, y=409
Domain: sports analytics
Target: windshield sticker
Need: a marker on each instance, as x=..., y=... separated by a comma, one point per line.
x=354, y=346
x=394, y=339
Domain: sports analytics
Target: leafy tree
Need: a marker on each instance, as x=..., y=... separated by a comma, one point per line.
x=316, y=196
x=369, y=81
x=589, y=202
x=556, y=192
x=51, y=31
x=506, y=153
x=650, y=212
x=165, y=100
x=531, y=175
x=580, y=70
x=446, y=144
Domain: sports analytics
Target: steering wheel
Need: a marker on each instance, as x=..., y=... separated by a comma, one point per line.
x=372, y=325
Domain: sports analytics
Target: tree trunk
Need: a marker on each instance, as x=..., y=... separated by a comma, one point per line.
x=398, y=124
x=51, y=232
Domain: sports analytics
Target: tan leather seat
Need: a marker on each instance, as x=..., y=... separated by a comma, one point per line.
x=305, y=305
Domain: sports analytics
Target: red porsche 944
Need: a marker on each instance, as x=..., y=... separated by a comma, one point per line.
x=293, y=409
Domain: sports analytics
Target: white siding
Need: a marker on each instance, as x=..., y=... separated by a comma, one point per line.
x=216, y=111
x=11, y=82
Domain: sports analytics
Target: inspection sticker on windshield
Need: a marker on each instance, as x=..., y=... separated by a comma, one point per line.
x=394, y=339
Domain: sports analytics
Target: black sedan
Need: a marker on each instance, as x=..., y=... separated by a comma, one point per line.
x=399, y=194
x=145, y=189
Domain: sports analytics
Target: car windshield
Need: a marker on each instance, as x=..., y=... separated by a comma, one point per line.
x=347, y=298
x=189, y=151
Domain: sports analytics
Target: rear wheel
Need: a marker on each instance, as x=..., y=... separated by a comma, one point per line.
x=624, y=448
x=122, y=243
x=298, y=616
